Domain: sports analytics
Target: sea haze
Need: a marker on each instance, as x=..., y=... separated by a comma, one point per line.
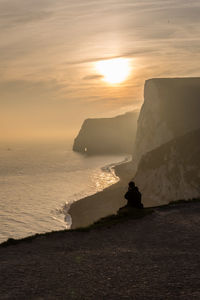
x=39, y=180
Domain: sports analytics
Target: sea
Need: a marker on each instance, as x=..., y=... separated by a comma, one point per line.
x=40, y=180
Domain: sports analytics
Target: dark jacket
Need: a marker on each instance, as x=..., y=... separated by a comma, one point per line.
x=134, y=197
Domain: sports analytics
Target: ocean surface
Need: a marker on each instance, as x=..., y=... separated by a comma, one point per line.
x=38, y=182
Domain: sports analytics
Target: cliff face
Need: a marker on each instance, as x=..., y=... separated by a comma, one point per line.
x=107, y=135
x=172, y=171
x=171, y=108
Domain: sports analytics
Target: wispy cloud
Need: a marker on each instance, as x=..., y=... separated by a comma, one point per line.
x=92, y=77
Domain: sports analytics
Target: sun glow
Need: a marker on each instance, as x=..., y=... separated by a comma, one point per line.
x=114, y=70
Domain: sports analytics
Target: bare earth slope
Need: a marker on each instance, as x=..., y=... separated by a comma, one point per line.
x=156, y=257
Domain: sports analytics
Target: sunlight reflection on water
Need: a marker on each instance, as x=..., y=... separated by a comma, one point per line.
x=37, y=185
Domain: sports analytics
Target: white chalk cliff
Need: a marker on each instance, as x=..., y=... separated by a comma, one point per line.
x=172, y=171
x=167, y=147
x=171, y=108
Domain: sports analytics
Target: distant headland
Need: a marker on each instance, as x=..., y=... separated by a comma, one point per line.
x=107, y=135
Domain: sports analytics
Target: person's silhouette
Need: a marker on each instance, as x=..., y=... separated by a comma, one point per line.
x=133, y=196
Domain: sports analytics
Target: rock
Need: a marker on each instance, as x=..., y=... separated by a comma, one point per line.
x=171, y=172
x=107, y=135
x=171, y=108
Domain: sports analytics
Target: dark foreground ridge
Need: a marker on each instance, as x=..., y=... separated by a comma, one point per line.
x=156, y=257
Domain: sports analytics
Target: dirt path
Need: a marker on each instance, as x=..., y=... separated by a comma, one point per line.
x=157, y=257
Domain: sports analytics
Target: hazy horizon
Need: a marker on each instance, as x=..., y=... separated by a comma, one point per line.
x=49, y=83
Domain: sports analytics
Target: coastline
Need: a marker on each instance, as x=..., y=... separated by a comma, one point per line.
x=90, y=209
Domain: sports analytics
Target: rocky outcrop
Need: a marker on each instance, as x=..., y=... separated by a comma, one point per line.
x=172, y=171
x=107, y=135
x=171, y=109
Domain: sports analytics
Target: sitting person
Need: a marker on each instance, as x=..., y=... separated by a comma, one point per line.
x=133, y=196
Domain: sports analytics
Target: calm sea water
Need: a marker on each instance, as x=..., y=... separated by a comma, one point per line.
x=39, y=181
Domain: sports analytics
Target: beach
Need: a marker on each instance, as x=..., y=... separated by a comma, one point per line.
x=87, y=210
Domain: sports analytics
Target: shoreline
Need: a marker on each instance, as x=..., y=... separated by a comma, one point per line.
x=49, y=196
x=111, y=167
x=127, y=215
x=114, y=169
x=107, y=167
x=90, y=209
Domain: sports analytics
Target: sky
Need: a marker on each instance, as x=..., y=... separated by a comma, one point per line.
x=48, y=50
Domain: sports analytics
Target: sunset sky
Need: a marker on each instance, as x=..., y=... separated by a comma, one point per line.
x=49, y=49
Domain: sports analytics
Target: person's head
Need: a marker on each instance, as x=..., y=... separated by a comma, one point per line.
x=131, y=184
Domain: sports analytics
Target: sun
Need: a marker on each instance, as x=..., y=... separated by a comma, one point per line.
x=114, y=70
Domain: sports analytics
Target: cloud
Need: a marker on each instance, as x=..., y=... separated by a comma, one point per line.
x=92, y=77
x=48, y=48
x=132, y=53
x=24, y=92
x=19, y=12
